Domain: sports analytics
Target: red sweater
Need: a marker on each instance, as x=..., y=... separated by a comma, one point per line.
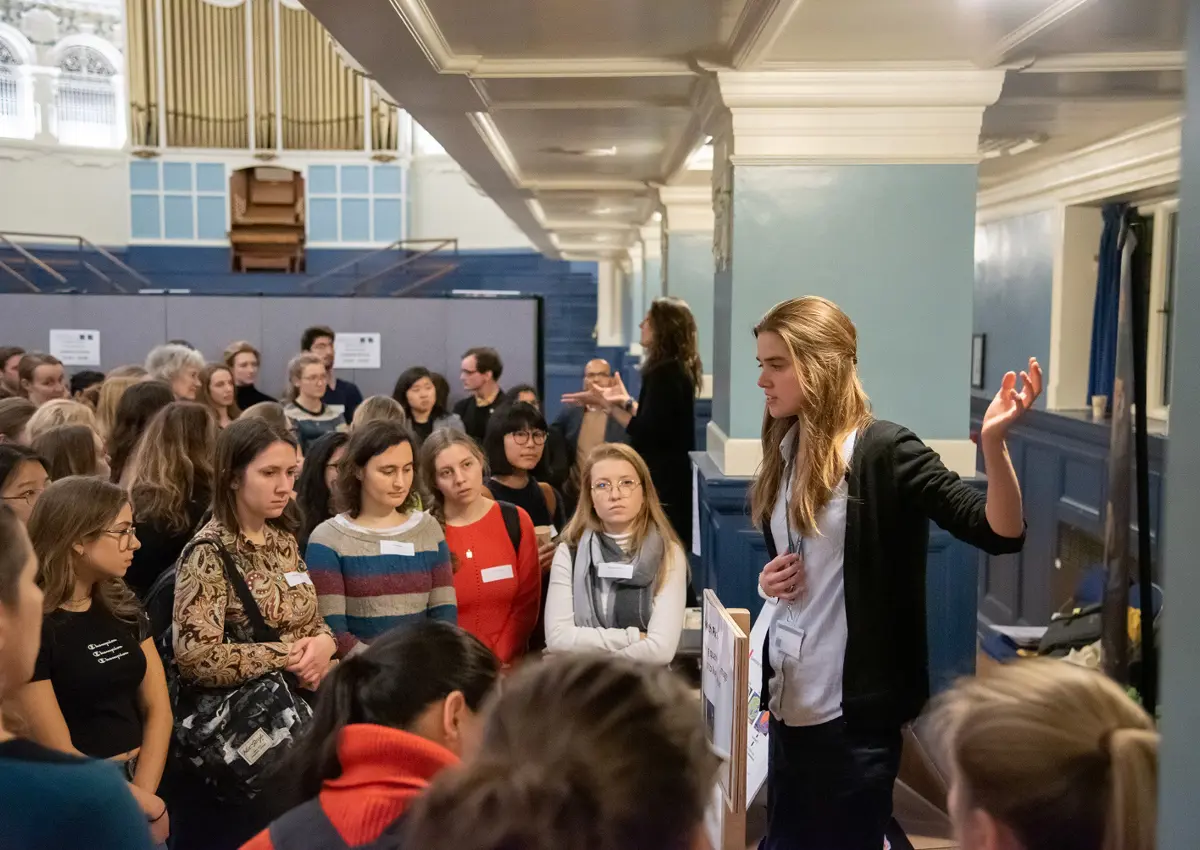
x=499, y=591
x=383, y=771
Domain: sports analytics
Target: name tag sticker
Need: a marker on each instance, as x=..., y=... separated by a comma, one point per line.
x=620, y=571
x=788, y=640
x=491, y=574
x=396, y=547
x=294, y=579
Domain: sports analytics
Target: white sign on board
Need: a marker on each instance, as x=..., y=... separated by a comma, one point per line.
x=75, y=347
x=717, y=685
x=757, y=715
x=356, y=351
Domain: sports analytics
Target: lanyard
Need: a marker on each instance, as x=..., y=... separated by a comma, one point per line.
x=795, y=543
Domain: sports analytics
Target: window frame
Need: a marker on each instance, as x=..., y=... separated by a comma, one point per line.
x=1163, y=265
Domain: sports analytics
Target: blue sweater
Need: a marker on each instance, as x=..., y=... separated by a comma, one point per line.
x=53, y=800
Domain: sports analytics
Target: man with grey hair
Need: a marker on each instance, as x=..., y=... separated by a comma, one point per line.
x=177, y=366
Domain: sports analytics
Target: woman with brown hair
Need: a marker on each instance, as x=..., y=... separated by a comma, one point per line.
x=217, y=393
x=662, y=423
x=15, y=414
x=618, y=579
x=243, y=361
x=98, y=688
x=170, y=488
x=115, y=384
x=845, y=502
x=1047, y=756
x=72, y=450
x=134, y=412
x=623, y=763
x=42, y=378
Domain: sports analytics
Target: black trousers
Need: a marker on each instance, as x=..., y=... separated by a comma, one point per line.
x=829, y=787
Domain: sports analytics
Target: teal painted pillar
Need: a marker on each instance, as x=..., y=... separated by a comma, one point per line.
x=857, y=185
x=688, y=256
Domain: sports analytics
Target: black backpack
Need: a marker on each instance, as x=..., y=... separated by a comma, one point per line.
x=512, y=524
x=307, y=827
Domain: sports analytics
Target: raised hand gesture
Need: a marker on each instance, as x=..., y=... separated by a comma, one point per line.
x=1010, y=403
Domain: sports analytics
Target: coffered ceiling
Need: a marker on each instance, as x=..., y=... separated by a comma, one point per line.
x=571, y=114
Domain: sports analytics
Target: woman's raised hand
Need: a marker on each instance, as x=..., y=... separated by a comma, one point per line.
x=1010, y=403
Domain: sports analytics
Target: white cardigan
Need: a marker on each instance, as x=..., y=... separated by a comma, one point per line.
x=666, y=618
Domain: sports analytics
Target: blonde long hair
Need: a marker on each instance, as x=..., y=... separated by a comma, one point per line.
x=823, y=345
x=58, y=412
x=651, y=515
x=111, y=390
x=1057, y=753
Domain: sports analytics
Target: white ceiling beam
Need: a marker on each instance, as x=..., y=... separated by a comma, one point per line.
x=1085, y=63
x=757, y=29
x=562, y=103
x=1050, y=17
x=566, y=66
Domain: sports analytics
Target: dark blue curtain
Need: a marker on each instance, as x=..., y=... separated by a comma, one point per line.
x=1103, y=365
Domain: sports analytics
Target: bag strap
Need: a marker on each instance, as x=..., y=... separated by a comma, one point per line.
x=512, y=524
x=258, y=626
x=306, y=826
x=551, y=498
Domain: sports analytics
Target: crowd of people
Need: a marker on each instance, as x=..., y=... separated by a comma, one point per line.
x=231, y=621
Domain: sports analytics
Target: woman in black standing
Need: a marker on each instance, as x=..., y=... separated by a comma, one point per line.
x=662, y=422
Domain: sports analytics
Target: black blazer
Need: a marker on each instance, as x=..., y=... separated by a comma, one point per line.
x=663, y=433
x=897, y=485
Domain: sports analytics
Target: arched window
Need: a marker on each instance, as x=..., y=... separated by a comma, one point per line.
x=16, y=91
x=86, y=103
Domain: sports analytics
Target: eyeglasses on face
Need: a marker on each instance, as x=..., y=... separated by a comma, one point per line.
x=624, y=487
x=522, y=438
x=125, y=536
x=29, y=497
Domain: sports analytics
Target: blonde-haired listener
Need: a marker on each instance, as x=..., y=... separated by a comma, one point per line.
x=618, y=582
x=60, y=411
x=845, y=500
x=1049, y=756
x=379, y=408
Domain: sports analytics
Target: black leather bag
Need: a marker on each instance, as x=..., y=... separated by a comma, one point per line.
x=1072, y=631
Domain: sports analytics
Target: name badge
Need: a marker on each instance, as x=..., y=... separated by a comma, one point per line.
x=618, y=571
x=491, y=574
x=788, y=640
x=397, y=547
x=294, y=579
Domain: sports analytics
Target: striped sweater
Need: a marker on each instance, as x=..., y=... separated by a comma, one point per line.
x=369, y=581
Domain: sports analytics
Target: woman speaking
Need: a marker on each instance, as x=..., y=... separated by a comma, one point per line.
x=845, y=501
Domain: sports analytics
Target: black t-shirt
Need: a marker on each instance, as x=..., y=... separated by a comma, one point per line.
x=96, y=664
x=476, y=417
x=160, y=546
x=249, y=396
x=422, y=429
x=533, y=500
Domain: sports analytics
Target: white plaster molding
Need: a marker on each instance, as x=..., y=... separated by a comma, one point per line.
x=689, y=209
x=868, y=113
x=738, y=457
x=957, y=455
x=105, y=48
x=652, y=240
x=491, y=136
x=1140, y=159
x=428, y=35
x=584, y=184
x=22, y=48
x=609, y=66
x=706, y=387
x=1049, y=17
x=758, y=28
x=1089, y=63
x=706, y=99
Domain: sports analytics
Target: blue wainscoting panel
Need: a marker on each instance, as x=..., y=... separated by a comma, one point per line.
x=388, y=179
x=323, y=219
x=356, y=220
x=177, y=176
x=322, y=180
x=388, y=219
x=356, y=180
x=143, y=176
x=178, y=216
x=210, y=177
x=210, y=217
x=145, y=216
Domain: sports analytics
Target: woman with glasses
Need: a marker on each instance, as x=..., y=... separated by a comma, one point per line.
x=493, y=546
x=310, y=416
x=98, y=687
x=618, y=583
x=23, y=479
x=515, y=447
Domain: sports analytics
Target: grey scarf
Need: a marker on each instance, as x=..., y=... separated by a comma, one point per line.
x=631, y=599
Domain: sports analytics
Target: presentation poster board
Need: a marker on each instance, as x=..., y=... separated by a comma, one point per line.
x=725, y=657
x=758, y=715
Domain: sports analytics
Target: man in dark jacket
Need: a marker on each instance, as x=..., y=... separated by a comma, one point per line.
x=584, y=428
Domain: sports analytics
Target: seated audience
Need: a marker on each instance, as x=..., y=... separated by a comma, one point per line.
x=137, y=407
x=23, y=479
x=60, y=411
x=619, y=578
x=340, y=392
x=98, y=688
x=73, y=450
x=583, y=427
x=118, y=381
x=254, y=474
x=555, y=467
x=170, y=488
x=497, y=580
x=81, y=382
x=387, y=722
x=379, y=408
x=10, y=368
x=310, y=416
x=15, y=414
x=481, y=370
x=217, y=393
x=584, y=753
x=178, y=366
x=42, y=378
x=417, y=393
x=243, y=361
x=49, y=799
x=380, y=563
x=314, y=487
x=1046, y=756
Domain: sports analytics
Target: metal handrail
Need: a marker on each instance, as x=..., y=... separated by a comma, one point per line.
x=430, y=278
x=119, y=263
x=30, y=258
x=353, y=263
x=412, y=258
x=28, y=283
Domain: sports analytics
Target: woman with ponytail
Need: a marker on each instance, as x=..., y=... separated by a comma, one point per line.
x=1049, y=756
x=388, y=719
x=622, y=764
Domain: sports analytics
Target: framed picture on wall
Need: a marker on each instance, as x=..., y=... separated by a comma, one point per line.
x=978, y=352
